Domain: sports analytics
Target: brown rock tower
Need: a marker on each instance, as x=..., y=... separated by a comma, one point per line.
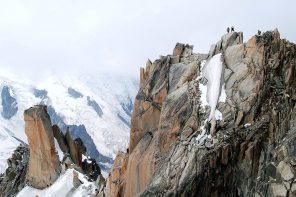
x=44, y=166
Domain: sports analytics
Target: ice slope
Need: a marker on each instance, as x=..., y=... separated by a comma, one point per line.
x=62, y=187
x=109, y=132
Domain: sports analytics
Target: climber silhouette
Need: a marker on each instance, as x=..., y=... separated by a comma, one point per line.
x=259, y=32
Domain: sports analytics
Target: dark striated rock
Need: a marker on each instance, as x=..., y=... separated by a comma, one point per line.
x=40, y=93
x=127, y=106
x=13, y=180
x=91, y=169
x=126, y=122
x=74, y=93
x=9, y=103
x=95, y=106
x=73, y=159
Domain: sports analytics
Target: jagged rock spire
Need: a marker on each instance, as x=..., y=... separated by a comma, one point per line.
x=44, y=166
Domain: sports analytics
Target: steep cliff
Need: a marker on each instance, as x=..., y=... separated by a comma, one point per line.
x=216, y=124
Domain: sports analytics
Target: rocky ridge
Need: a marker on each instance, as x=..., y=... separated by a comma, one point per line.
x=251, y=149
x=38, y=165
x=13, y=179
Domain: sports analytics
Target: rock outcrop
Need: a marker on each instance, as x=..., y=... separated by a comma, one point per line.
x=38, y=165
x=91, y=169
x=13, y=180
x=73, y=149
x=58, y=135
x=252, y=148
x=44, y=166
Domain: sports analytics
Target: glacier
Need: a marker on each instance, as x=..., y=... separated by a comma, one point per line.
x=109, y=133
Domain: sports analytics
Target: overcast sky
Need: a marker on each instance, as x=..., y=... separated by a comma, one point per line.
x=119, y=36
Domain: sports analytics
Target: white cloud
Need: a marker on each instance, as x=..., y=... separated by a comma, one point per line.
x=119, y=36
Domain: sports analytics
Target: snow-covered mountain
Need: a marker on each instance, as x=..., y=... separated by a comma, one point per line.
x=96, y=108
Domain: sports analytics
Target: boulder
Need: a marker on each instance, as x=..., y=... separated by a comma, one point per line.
x=277, y=190
x=285, y=170
x=44, y=166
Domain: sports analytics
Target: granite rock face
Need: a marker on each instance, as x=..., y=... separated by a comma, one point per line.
x=44, y=165
x=252, y=149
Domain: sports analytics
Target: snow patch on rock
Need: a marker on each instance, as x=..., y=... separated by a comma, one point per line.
x=59, y=151
x=212, y=71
